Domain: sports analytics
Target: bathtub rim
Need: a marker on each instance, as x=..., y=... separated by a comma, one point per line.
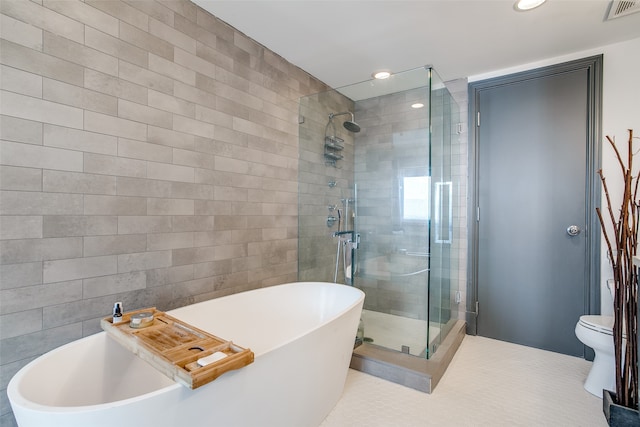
x=346, y=309
x=16, y=398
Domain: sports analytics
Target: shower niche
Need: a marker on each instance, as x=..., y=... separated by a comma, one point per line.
x=388, y=152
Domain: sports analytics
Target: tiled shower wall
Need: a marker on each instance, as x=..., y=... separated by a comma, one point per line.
x=322, y=185
x=382, y=120
x=149, y=155
x=394, y=137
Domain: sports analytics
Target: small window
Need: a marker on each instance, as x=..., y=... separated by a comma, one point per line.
x=415, y=197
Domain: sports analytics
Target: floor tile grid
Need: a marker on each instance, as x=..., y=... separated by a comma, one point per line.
x=489, y=383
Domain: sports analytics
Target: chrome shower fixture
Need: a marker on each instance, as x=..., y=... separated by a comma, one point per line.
x=349, y=125
x=332, y=143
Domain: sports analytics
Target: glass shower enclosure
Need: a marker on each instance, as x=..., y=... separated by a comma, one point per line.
x=378, y=204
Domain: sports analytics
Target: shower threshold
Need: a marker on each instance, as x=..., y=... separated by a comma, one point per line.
x=415, y=372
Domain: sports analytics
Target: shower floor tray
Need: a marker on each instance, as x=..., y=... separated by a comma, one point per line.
x=383, y=329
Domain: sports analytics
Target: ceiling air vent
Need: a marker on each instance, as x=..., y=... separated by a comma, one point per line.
x=620, y=8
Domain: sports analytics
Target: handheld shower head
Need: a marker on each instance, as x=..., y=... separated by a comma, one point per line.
x=349, y=125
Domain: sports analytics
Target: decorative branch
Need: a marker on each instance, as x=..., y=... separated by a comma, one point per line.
x=615, y=149
x=621, y=251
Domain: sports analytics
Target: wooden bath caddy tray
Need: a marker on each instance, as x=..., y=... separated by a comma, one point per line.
x=173, y=347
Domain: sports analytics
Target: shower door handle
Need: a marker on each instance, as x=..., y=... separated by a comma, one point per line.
x=573, y=230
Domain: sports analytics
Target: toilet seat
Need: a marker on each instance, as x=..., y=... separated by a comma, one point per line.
x=600, y=324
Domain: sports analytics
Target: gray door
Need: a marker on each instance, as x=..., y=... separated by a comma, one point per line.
x=532, y=185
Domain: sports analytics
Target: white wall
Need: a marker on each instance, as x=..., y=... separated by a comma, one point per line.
x=620, y=107
x=620, y=111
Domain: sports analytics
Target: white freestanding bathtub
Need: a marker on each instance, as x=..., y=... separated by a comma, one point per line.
x=302, y=335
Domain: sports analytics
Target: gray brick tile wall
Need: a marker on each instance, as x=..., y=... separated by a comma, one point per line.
x=149, y=154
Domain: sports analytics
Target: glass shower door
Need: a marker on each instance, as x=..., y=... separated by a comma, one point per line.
x=390, y=187
x=392, y=174
x=443, y=267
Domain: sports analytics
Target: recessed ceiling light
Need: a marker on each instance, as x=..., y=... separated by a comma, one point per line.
x=417, y=105
x=380, y=75
x=522, y=5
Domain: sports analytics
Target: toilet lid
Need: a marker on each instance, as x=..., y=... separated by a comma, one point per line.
x=602, y=324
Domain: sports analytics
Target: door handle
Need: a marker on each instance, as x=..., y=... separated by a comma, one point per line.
x=573, y=230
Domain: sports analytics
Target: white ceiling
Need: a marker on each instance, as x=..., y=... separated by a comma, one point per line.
x=343, y=42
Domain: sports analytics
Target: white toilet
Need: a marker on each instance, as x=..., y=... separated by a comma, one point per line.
x=597, y=332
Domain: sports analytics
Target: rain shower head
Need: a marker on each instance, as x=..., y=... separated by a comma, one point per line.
x=349, y=125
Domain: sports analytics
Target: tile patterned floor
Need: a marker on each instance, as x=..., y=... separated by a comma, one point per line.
x=489, y=383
